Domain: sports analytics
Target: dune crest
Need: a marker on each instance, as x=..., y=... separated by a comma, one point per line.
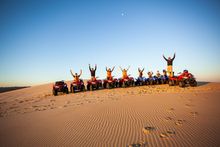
x=137, y=116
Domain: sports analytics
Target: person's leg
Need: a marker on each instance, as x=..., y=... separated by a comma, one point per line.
x=170, y=70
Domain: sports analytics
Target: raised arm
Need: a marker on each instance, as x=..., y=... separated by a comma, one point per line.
x=90, y=68
x=142, y=70
x=113, y=68
x=72, y=73
x=95, y=67
x=80, y=72
x=128, y=67
x=120, y=68
x=165, y=58
x=139, y=69
x=174, y=56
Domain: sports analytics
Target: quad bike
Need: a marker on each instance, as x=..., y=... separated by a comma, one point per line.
x=158, y=80
x=110, y=83
x=94, y=84
x=164, y=79
x=151, y=81
x=183, y=79
x=77, y=86
x=140, y=81
x=60, y=86
x=126, y=82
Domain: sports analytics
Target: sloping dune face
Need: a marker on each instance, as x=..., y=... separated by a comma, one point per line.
x=151, y=116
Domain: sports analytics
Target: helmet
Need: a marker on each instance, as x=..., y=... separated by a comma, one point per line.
x=185, y=71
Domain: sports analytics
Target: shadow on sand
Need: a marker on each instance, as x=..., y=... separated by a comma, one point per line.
x=6, y=89
x=202, y=83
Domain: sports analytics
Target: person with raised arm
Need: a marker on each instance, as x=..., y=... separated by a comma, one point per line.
x=124, y=72
x=140, y=72
x=109, y=73
x=92, y=71
x=76, y=76
x=170, y=64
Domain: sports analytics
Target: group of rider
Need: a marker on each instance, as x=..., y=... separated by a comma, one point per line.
x=124, y=71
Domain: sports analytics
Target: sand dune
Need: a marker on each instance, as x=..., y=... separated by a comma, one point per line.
x=146, y=116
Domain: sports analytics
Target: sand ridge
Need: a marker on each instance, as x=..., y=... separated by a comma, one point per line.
x=143, y=116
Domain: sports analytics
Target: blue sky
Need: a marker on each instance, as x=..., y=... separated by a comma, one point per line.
x=41, y=40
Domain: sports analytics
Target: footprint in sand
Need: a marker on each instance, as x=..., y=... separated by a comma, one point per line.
x=35, y=106
x=168, y=118
x=148, y=129
x=194, y=114
x=141, y=144
x=167, y=134
x=52, y=100
x=66, y=103
x=1, y=115
x=179, y=122
x=189, y=105
x=164, y=135
x=171, y=110
x=171, y=132
x=21, y=101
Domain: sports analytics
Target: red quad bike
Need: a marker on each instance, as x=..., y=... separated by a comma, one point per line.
x=183, y=80
x=60, y=86
x=77, y=86
x=111, y=83
x=126, y=82
x=94, y=84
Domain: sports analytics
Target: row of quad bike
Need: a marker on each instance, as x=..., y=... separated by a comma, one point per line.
x=184, y=79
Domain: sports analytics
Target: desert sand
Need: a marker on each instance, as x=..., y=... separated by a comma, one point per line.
x=151, y=116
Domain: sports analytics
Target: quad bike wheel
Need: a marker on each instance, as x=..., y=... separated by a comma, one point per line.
x=54, y=92
x=181, y=84
x=147, y=83
x=72, y=89
x=83, y=88
x=97, y=86
x=124, y=84
x=171, y=82
x=66, y=91
x=193, y=83
x=131, y=83
x=91, y=87
x=104, y=85
x=141, y=83
x=108, y=86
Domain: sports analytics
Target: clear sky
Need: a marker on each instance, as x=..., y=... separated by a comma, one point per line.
x=41, y=40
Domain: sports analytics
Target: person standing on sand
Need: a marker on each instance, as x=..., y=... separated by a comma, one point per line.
x=109, y=73
x=92, y=71
x=76, y=76
x=170, y=64
x=124, y=72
